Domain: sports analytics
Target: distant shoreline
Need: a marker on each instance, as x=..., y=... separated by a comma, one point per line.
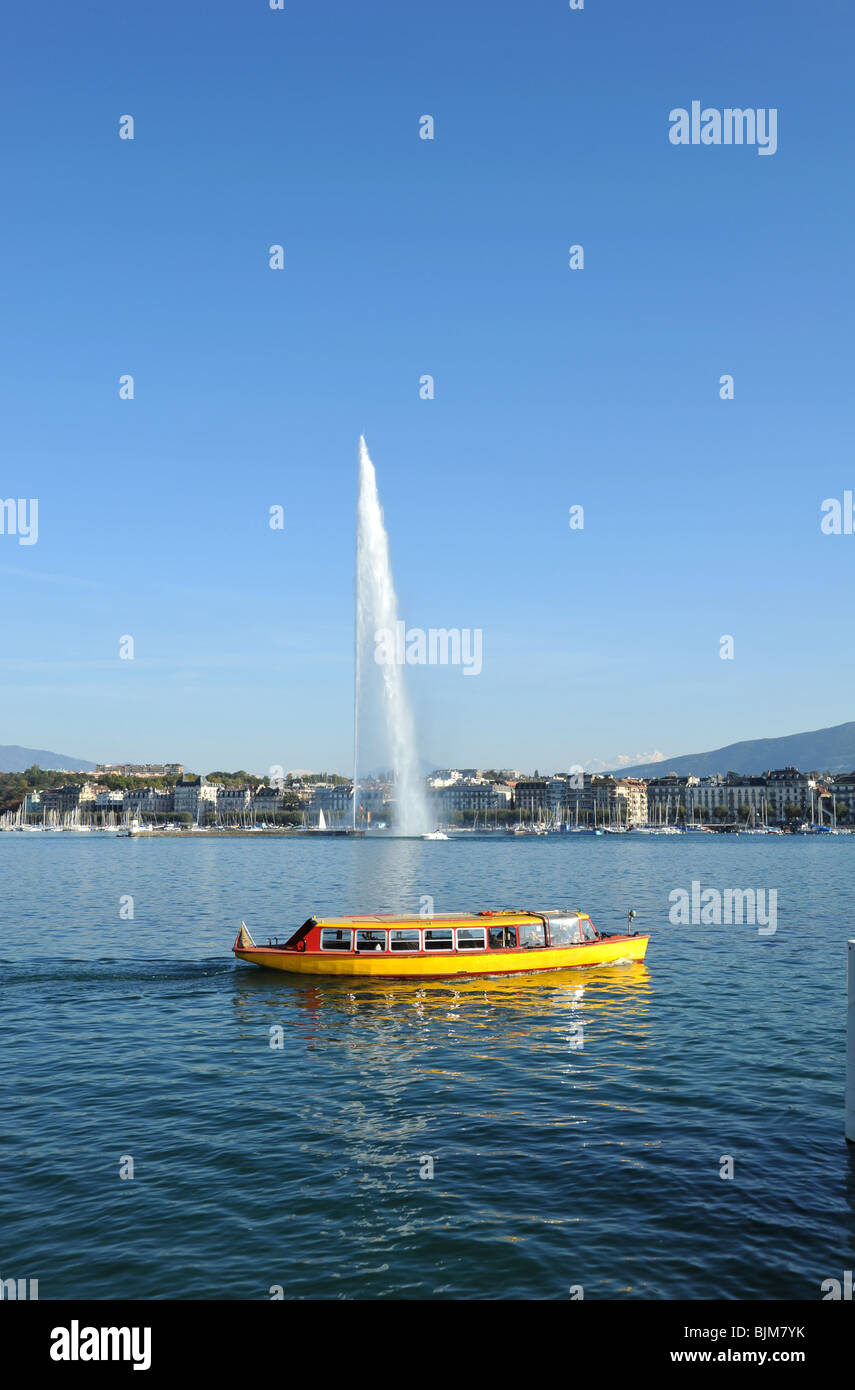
x=455, y=833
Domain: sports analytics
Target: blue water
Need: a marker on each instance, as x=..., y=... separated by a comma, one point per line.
x=553, y=1165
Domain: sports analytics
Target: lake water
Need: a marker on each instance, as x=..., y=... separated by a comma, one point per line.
x=554, y=1165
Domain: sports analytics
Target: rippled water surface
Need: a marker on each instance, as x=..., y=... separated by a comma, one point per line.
x=300, y=1166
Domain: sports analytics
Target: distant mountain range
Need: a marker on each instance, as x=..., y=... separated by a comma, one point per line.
x=823, y=750
x=14, y=758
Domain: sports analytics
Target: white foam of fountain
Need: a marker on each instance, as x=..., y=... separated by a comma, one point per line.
x=376, y=609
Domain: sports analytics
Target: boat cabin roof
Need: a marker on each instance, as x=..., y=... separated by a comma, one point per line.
x=387, y=919
x=454, y=932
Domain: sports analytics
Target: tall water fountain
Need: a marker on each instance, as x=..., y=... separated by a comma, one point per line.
x=380, y=693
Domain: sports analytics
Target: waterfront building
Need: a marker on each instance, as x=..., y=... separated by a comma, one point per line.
x=842, y=788
x=730, y=799
x=65, y=799
x=534, y=797
x=192, y=792
x=267, y=801
x=665, y=794
x=633, y=792
x=148, y=801
x=134, y=800
x=788, y=788
x=233, y=803
x=59, y=800
x=469, y=794
x=233, y=798
x=773, y=796
x=332, y=800
x=568, y=797
x=610, y=800
x=107, y=800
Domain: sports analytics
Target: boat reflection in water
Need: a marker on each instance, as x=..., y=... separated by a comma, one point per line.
x=396, y=1018
x=509, y=1091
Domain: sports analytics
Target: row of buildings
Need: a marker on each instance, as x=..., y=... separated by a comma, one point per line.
x=196, y=797
x=470, y=795
x=202, y=800
x=771, y=798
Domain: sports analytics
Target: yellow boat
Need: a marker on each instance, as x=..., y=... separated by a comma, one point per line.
x=452, y=943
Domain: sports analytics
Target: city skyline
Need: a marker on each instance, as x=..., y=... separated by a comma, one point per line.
x=826, y=749
x=775, y=801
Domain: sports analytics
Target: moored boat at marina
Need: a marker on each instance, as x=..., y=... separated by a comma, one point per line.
x=447, y=944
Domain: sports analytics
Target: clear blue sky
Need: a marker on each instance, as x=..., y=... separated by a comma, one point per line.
x=405, y=257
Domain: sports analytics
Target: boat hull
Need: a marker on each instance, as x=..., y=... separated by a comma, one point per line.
x=442, y=964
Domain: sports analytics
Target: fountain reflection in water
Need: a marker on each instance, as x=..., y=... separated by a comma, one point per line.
x=380, y=695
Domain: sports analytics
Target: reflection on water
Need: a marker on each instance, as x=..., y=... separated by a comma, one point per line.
x=392, y=1034
x=384, y=876
x=506, y=1054
x=483, y=1001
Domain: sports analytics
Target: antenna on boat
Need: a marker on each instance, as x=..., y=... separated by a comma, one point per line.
x=630, y=918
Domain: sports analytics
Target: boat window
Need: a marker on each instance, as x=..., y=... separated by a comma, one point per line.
x=589, y=931
x=404, y=940
x=532, y=934
x=440, y=939
x=564, y=931
x=502, y=938
x=471, y=939
x=334, y=940
x=370, y=941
